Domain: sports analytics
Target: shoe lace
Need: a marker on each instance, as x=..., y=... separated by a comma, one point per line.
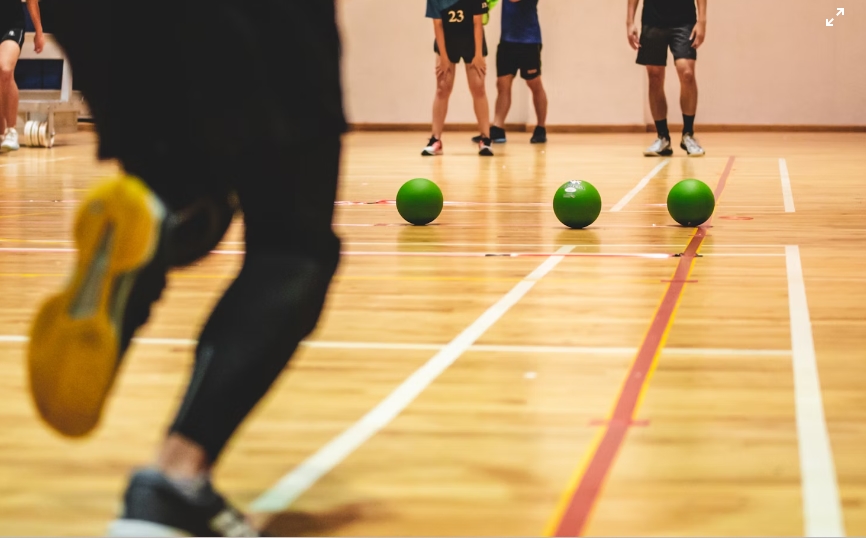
x=691, y=143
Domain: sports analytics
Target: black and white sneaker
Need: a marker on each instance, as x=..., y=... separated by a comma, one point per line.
x=691, y=146
x=539, y=136
x=434, y=147
x=155, y=506
x=497, y=135
x=660, y=148
x=484, y=148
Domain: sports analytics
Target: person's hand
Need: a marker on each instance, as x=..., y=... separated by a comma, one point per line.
x=698, y=34
x=634, y=36
x=443, y=66
x=480, y=64
x=39, y=42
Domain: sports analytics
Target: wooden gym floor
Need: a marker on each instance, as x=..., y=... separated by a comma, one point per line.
x=496, y=373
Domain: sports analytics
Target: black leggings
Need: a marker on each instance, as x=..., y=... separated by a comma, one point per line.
x=287, y=199
x=276, y=300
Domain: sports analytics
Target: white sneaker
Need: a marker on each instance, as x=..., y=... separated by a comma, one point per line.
x=661, y=147
x=10, y=141
x=691, y=146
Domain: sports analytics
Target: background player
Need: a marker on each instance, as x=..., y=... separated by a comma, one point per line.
x=678, y=25
x=519, y=50
x=272, y=142
x=11, y=40
x=459, y=29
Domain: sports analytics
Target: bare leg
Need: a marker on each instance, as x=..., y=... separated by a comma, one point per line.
x=444, y=85
x=182, y=459
x=658, y=101
x=9, y=52
x=503, y=99
x=688, y=86
x=539, y=99
x=479, y=98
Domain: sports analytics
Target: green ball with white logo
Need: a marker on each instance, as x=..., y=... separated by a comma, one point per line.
x=577, y=204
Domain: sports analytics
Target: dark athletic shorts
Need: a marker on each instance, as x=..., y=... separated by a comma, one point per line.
x=514, y=57
x=654, y=44
x=13, y=34
x=461, y=47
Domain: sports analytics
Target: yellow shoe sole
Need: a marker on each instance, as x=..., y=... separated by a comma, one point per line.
x=75, y=338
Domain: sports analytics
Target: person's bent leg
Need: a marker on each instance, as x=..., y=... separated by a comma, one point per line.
x=275, y=302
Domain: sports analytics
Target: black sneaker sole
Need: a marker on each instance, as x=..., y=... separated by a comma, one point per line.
x=665, y=153
x=683, y=147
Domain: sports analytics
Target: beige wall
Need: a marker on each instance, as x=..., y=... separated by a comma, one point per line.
x=764, y=62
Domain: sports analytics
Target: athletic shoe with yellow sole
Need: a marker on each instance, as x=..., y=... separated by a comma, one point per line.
x=80, y=334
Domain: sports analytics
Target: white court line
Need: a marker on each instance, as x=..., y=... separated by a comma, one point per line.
x=787, y=193
x=507, y=348
x=292, y=485
x=822, y=512
x=639, y=187
x=742, y=255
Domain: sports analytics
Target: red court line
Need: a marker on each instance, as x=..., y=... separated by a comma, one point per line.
x=583, y=500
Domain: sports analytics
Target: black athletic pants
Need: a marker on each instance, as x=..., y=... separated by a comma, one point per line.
x=147, y=106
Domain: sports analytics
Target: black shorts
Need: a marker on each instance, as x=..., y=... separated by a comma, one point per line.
x=461, y=47
x=654, y=43
x=13, y=34
x=514, y=57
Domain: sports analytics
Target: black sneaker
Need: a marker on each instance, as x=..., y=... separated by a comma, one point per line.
x=539, y=136
x=484, y=148
x=155, y=506
x=497, y=135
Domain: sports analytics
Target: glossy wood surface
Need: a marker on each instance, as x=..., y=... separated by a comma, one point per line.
x=490, y=447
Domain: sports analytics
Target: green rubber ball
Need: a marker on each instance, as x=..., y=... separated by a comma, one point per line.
x=577, y=204
x=419, y=201
x=691, y=202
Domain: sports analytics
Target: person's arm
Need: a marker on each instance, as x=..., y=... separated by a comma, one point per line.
x=444, y=63
x=631, y=26
x=700, y=31
x=36, y=17
x=479, y=62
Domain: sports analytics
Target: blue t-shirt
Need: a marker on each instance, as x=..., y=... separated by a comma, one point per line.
x=520, y=22
x=436, y=7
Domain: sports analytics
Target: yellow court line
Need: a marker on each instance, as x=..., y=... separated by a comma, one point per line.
x=579, y=473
